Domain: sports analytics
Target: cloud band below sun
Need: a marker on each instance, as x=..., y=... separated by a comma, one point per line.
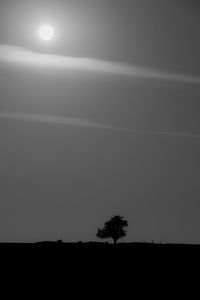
x=21, y=56
x=69, y=121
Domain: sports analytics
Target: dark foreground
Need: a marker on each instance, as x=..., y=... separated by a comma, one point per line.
x=137, y=266
x=132, y=253
x=100, y=246
x=84, y=247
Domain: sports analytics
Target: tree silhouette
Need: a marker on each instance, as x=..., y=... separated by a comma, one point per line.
x=114, y=228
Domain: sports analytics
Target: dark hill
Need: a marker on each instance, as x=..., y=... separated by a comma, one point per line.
x=80, y=250
x=138, y=263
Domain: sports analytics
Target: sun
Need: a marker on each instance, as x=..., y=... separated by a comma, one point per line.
x=46, y=32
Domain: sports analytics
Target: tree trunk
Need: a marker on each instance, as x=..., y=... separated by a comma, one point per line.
x=115, y=241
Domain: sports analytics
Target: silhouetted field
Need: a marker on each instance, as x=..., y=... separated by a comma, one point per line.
x=133, y=261
x=95, y=245
x=100, y=249
x=51, y=245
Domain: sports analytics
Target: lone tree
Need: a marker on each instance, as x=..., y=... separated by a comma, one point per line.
x=114, y=228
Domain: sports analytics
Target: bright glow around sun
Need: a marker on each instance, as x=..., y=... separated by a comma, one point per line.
x=46, y=32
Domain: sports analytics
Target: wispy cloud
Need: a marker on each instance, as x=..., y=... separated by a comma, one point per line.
x=57, y=120
x=21, y=56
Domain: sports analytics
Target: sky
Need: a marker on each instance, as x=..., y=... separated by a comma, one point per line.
x=101, y=120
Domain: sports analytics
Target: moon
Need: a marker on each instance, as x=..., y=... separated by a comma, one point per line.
x=46, y=32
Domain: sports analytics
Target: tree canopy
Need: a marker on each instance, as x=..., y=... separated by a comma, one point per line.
x=114, y=228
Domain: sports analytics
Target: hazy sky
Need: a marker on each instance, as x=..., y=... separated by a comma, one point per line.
x=102, y=120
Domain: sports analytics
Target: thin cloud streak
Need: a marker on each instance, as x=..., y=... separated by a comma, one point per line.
x=21, y=56
x=69, y=121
